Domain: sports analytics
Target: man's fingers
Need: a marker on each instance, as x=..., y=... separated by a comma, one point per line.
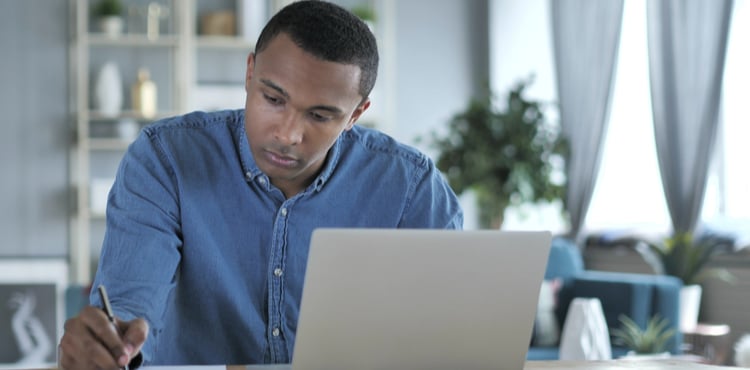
x=135, y=332
x=134, y=335
x=107, y=334
x=96, y=321
x=80, y=349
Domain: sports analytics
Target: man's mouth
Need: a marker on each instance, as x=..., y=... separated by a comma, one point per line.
x=280, y=159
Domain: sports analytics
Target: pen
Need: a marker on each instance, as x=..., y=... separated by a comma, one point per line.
x=108, y=310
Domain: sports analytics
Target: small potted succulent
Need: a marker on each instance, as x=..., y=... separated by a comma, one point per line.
x=651, y=340
x=109, y=15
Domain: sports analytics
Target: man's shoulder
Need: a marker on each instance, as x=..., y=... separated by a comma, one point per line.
x=380, y=145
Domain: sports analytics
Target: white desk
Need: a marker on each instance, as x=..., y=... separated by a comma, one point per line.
x=530, y=365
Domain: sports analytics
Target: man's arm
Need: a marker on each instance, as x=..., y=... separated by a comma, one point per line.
x=139, y=259
x=432, y=203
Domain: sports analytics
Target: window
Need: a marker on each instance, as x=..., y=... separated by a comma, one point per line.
x=629, y=190
x=727, y=202
x=628, y=193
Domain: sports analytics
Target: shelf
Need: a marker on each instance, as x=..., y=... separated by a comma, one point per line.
x=108, y=144
x=99, y=39
x=98, y=116
x=224, y=42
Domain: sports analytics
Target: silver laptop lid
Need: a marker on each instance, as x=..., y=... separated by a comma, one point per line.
x=419, y=299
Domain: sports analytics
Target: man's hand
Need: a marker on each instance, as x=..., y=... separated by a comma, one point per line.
x=90, y=341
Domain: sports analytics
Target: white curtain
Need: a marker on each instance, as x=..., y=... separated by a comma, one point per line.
x=586, y=37
x=687, y=46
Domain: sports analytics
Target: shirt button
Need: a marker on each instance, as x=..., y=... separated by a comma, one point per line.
x=278, y=272
x=284, y=212
x=261, y=181
x=248, y=176
x=276, y=332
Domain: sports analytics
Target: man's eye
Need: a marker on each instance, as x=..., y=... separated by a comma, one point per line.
x=318, y=117
x=272, y=100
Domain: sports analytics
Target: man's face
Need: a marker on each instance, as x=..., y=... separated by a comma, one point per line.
x=296, y=108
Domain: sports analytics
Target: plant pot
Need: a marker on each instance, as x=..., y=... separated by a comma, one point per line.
x=111, y=26
x=690, y=304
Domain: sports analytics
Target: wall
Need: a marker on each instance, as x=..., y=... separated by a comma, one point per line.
x=521, y=39
x=35, y=133
x=441, y=61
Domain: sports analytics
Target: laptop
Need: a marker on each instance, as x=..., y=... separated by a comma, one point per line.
x=419, y=299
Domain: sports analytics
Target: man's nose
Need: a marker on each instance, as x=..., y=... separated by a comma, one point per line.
x=290, y=130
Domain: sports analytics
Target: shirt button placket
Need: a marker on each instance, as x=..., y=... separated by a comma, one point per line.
x=278, y=272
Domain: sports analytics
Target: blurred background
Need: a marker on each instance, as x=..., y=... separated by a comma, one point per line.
x=76, y=86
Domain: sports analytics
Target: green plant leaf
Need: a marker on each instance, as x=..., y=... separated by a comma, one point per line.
x=651, y=339
x=686, y=258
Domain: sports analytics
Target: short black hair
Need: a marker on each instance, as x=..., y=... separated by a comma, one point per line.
x=330, y=33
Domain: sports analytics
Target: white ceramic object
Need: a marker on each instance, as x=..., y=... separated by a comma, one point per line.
x=108, y=90
x=99, y=192
x=111, y=26
x=742, y=351
x=690, y=305
x=585, y=335
x=127, y=129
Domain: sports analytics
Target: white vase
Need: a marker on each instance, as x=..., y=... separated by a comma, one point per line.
x=108, y=90
x=690, y=304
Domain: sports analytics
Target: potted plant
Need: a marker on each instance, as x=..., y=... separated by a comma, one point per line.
x=507, y=157
x=651, y=340
x=109, y=14
x=686, y=257
x=367, y=14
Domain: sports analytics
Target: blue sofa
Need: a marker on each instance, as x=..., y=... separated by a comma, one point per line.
x=639, y=296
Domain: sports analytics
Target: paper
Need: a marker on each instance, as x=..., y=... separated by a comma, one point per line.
x=221, y=367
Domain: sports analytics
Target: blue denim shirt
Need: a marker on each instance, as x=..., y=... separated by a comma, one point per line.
x=213, y=256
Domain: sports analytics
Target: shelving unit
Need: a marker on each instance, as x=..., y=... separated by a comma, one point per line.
x=97, y=147
x=191, y=72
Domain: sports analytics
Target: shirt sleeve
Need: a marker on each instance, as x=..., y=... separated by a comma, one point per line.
x=432, y=203
x=142, y=243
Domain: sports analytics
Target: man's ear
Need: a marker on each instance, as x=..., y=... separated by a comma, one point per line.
x=249, y=70
x=361, y=108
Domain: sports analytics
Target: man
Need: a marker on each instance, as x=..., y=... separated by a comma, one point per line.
x=210, y=217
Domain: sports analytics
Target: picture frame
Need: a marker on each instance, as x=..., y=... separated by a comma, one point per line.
x=32, y=301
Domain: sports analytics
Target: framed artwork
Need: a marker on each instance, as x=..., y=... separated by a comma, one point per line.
x=31, y=311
